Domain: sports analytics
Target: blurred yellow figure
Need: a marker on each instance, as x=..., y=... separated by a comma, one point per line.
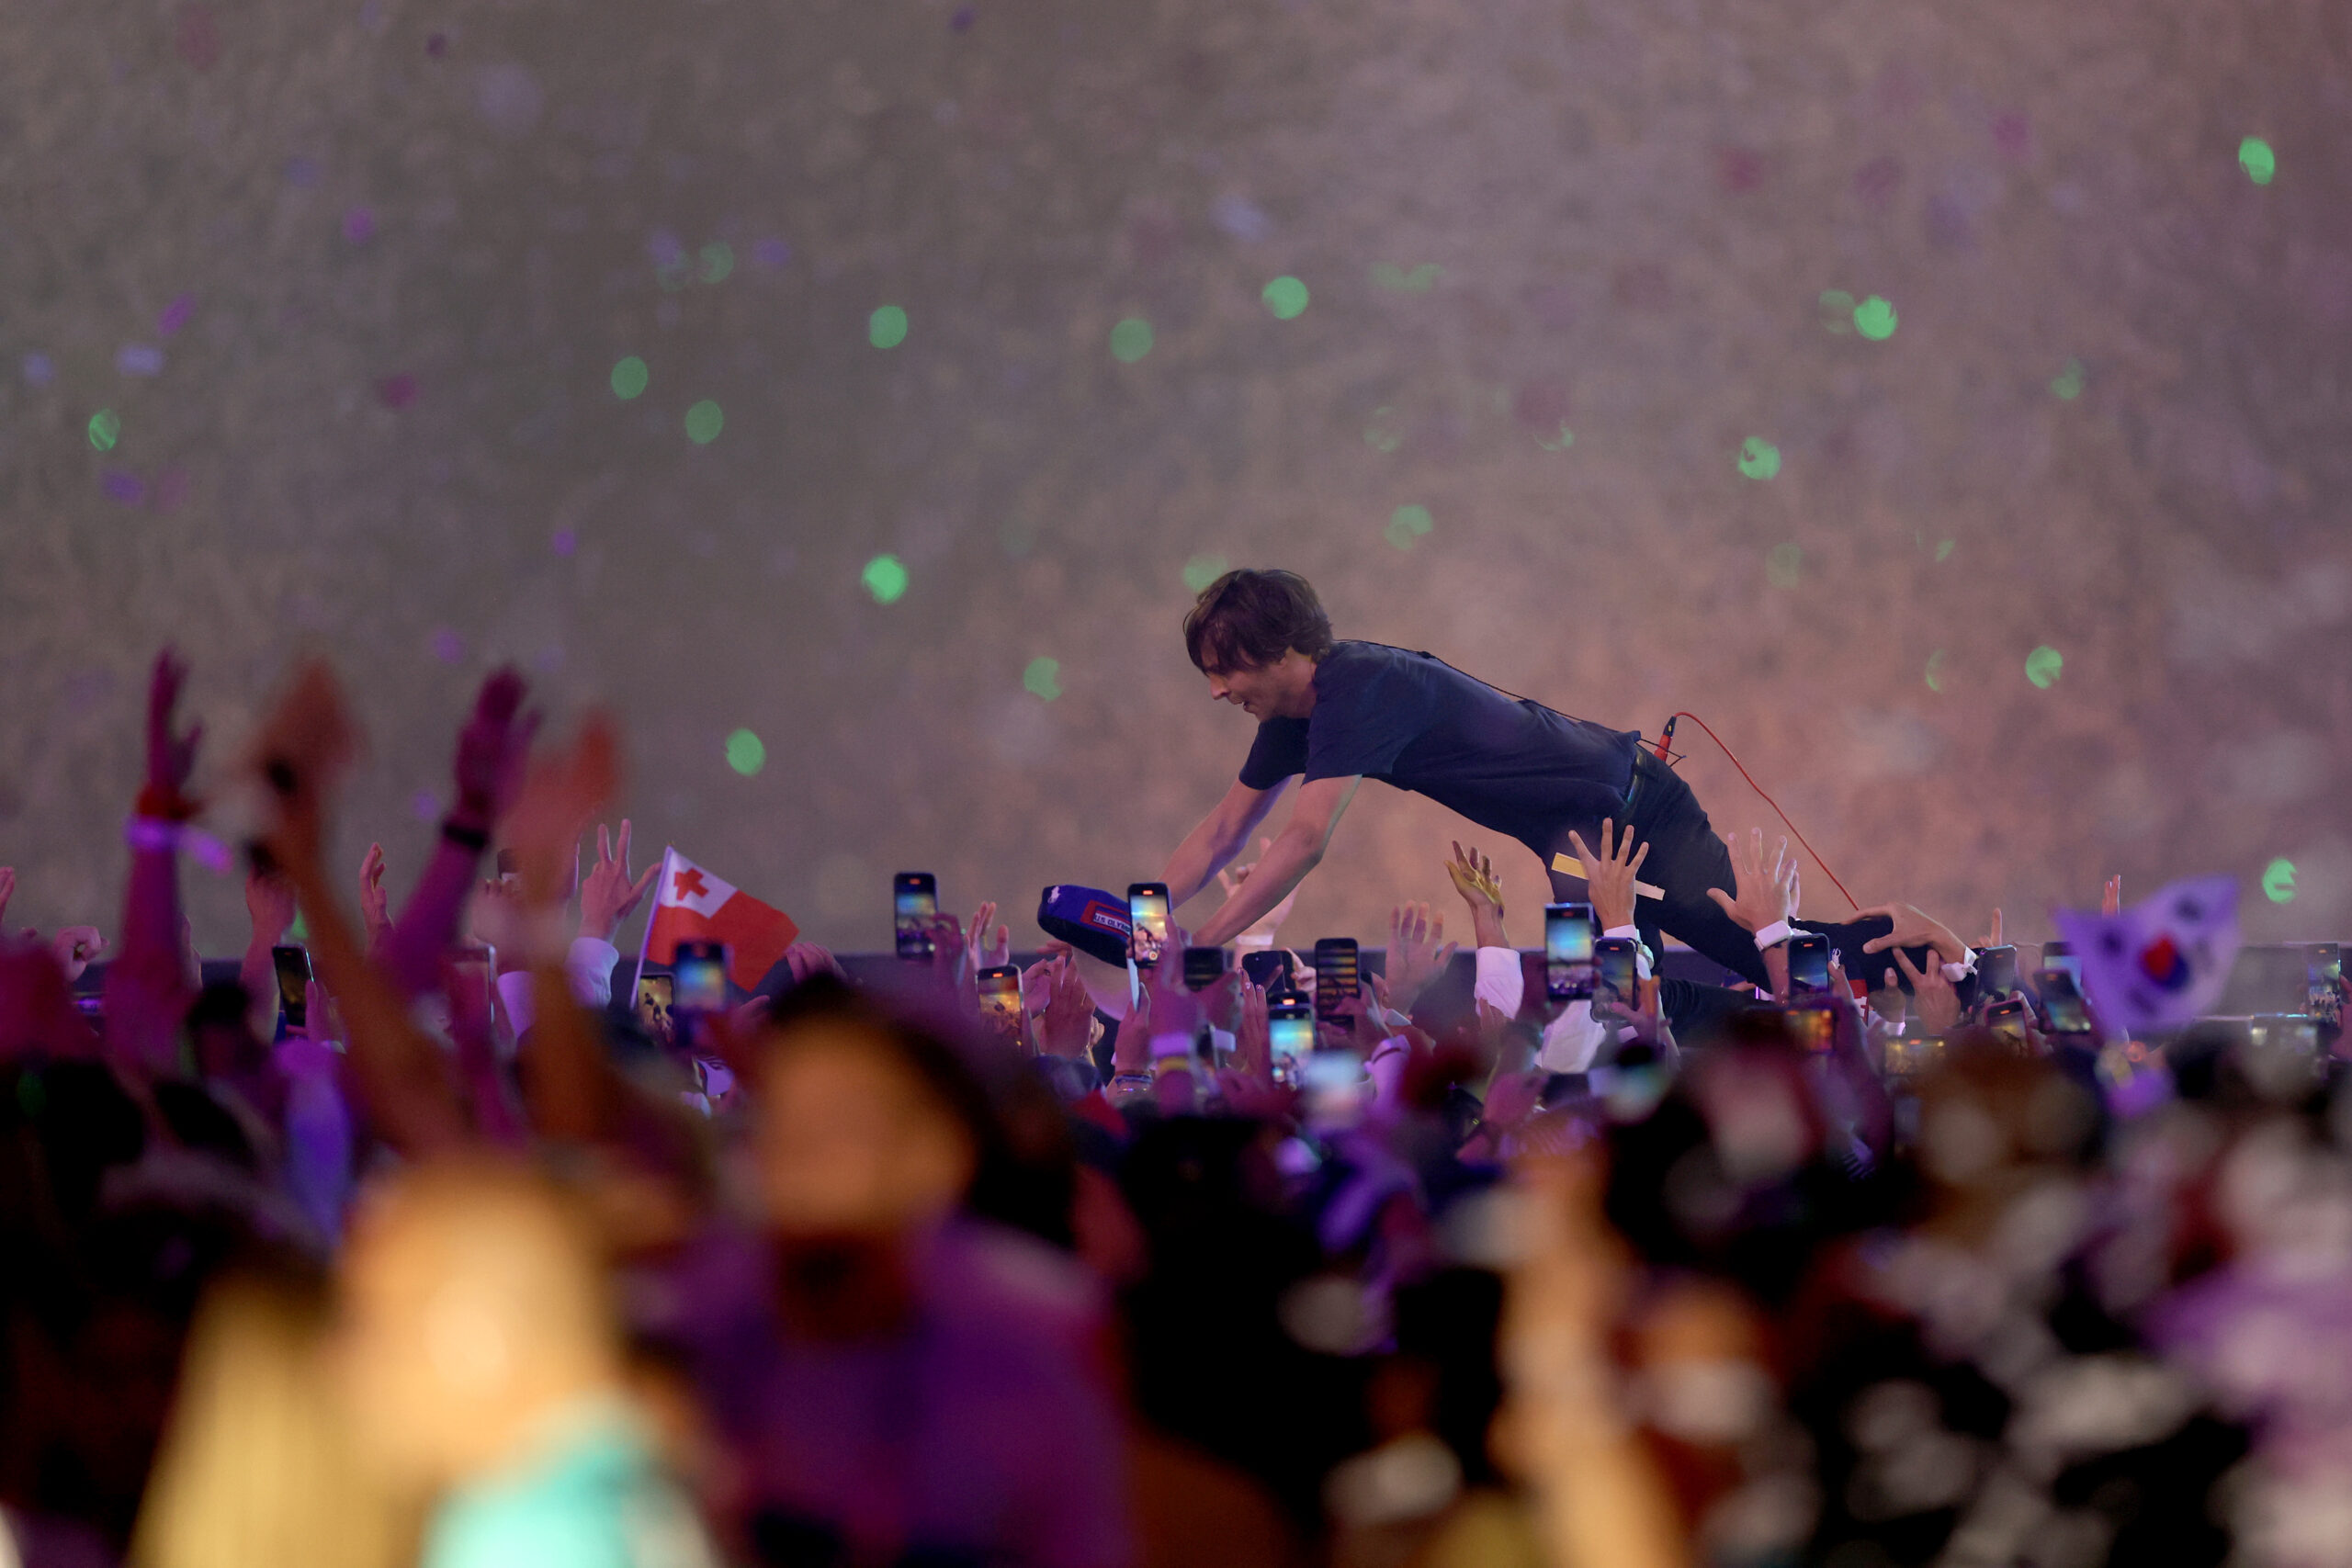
x=482, y=1363
x=258, y=1468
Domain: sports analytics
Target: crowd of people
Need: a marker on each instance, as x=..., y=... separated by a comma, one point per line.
x=467, y=1260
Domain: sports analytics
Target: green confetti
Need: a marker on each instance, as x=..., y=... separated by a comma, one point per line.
x=2043, y=666
x=704, y=422
x=886, y=579
x=1875, y=319
x=1202, y=570
x=1785, y=566
x=2068, y=383
x=1286, y=296
x=2260, y=164
x=630, y=377
x=718, y=261
x=1838, y=311
x=1043, y=678
x=1131, y=340
x=1384, y=432
x=887, y=328
x=1943, y=550
x=1408, y=524
x=746, y=753
x=1935, y=671
x=1759, y=458
x=106, y=429
x=2279, y=881
x=1566, y=436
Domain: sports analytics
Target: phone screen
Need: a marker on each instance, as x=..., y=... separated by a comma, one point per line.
x=698, y=976
x=2323, y=980
x=1808, y=963
x=1816, y=1029
x=1612, y=958
x=1334, y=1089
x=1203, y=966
x=1269, y=968
x=293, y=968
x=1335, y=974
x=2007, y=1020
x=914, y=904
x=1568, y=949
x=1147, y=913
x=2061, y=955
x=1290, y=1029
x=2062, y=1002
x=1997, y=971
x=655, y=995
x=1000, y=1002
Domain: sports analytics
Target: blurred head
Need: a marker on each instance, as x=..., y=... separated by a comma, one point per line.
x=868, y=1130
x=474, y=1306
x=1258, y=636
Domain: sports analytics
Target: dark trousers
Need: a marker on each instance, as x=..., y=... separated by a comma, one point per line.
x=1686, y=859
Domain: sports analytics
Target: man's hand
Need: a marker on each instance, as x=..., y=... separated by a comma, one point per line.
x=1766, y=894
x=1937, y=1002
x=1415, y=955
x=1609, y=876
x=1474, y=879
x=807, y=960
x=1914, y=928
x=1253, y=1046
x=987, y=950
x=375, y=907
x=560, y=792
x=1270, y=921
x=302, y=752
x=1065, y=1027
x=493, y=750
x=171, y=759
x=608, y=895
x=74, y=949
x=270, y=903
x=1992, y=933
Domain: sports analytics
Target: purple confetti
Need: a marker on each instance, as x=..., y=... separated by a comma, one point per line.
x=665, y=249
x=124, y=485
x=437, y=45
x=175, y=315
x=39, y=371
x=447, y=646
x=358, y=225
x=139, y=359
x=961, y=21
x=1878, y=181
x=565, y=542
x=1739, y=169
x=424, y=806
x=772, y=252
x=396, y=391
x=303, y=171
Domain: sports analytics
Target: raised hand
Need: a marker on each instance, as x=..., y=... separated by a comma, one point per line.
x=270, y=903
x=1767, y=893
x=493, y=751
x=1270, y=921
x=1937, y=1002
x=807, y=960
x=7, y=887
x=561, y=791
x=1474, y=877
x=1065, y=1027
x=2111, y=898
x=1992, y=933
x=987, y=951
x=1253, y=1045
x=171, y=758
x=1609, y=876
x=302, y=752
x=375, y=908
x=608, y=895
x=75, y=948
x=1418, y=952
x=1914, y=928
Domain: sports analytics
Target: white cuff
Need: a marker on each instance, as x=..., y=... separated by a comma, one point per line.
x=1573, y=1039
x=1502, y=985
x=587, y=973
x=1774, y=935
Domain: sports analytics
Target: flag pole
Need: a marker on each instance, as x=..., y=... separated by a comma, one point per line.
x=645, y=937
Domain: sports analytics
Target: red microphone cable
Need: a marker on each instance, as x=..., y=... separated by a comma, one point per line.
x=1759, y=789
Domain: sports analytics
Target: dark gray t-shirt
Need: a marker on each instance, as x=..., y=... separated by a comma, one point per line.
x=1412, y=720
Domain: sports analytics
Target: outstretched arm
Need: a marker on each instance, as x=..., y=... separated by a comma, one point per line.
x=1297, y=851
x=1223, y=833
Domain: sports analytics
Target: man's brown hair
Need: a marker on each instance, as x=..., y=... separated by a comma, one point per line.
x=1247, y=620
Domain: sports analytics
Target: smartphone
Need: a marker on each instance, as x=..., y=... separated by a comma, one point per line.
x=2061, y=955
x=293, y=968
x=656, y=994
x=1997, y=971
x=1290, y=1029
x=2323, y=980
x=1814, y=1029
x=1808, y=965
x=1268, y=969
x=2284, y=1031
x=914, y=904
x=1000, y=1002
x=1147, y=914
x=1613, y=973
x=1203, y=966
x=1334, y=1089
x=1335, y=975
x=2007, y=1020
x=698, y=976
x=1568, y=951
x=2062, y=1002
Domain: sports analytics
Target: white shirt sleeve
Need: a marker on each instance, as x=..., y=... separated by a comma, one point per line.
x=1501, y=984
x=587, y=969
x=1573, y=1041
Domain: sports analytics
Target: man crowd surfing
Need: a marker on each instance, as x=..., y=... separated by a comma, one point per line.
x=467, y=1260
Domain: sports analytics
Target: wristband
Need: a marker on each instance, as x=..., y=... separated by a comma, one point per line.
x=1136, y=1082
x=457, y=832
x=149, y=833
x=1774, y=935
x=1956, y=973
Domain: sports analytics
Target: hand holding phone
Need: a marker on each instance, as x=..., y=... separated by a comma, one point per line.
x=1001, y=1014
x=1615, y=973
x=1335, y=982
x=1203, y=968
x=1147, y=918
x=914, y=905
x=1568, y=951
x=293, y=966
x=1808, y=965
